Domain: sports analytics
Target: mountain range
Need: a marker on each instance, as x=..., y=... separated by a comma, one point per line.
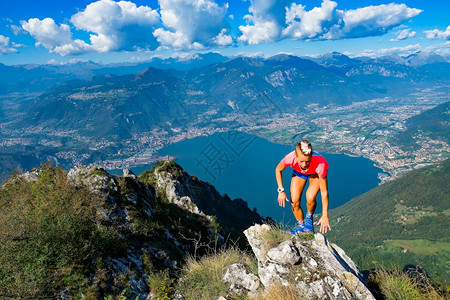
x=119, y=106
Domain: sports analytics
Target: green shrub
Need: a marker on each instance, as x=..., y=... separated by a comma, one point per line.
x=161, y=285
x=49, y=235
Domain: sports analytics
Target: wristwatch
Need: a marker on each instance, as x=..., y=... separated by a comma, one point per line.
x=280, y=190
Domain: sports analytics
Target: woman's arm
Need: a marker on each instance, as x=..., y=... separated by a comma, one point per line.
x=282, y=198
x=324, y=221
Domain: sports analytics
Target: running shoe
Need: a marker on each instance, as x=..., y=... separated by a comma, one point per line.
x=300, y=228
x=309, y=227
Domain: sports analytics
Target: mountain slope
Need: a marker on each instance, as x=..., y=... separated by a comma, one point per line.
x=113, y=106
x=432, y=124
x=90, y=233
x=403, y=222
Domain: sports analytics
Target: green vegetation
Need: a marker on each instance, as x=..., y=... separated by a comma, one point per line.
x=404, y=222
x=161, y=285
x=398, y=285
x=275, y=236
x=49, y=236
x=56, y=236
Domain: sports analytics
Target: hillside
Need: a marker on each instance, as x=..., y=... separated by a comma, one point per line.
x=90, y=232
x=404, y=222
x=432, y=124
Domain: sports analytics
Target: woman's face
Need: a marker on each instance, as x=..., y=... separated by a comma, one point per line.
x=303, y=161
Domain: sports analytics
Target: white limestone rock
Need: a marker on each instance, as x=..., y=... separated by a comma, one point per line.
x=317, y=268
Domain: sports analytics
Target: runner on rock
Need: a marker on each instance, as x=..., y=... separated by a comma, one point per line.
x=306, y=164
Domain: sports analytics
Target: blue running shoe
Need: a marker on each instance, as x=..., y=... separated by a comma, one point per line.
x=309, y=224
x=300, y=228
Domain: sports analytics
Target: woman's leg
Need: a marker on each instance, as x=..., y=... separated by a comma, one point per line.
x=297, y=186
x=311, y=193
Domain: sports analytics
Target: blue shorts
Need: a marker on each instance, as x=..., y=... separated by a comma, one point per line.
x=302, y=176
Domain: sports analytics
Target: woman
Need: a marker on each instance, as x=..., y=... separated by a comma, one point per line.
x=306, y=164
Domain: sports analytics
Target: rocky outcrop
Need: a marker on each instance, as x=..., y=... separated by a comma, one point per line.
x=168, y=183
x=93, y=177
x=309, y=263
x=198, y=197
x=241, y=281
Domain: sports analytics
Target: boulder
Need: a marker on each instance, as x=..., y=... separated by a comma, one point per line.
x=317, y=268
x=240, y=280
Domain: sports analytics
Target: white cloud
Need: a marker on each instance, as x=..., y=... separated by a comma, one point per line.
x=5, y=46
x=55, y=38
x=118, y=25
x=192, y=24
x=438, y=34
x=404, y=34
x=223, y=39
x=114, y=26
x=375, y=20
x=200, y=24
x=252, y=54
x=308, y=24
x=265, y=21
x=324, y=22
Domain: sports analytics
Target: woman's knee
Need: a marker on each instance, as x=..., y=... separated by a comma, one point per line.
x=311, y=198
x=295, y=201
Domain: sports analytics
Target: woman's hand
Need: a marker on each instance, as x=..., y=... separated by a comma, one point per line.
x=282, y=198
x=324, y=223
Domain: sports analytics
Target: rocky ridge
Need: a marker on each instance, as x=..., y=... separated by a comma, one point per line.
x=316, y=268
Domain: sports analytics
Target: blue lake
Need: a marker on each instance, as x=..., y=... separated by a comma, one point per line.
x=243, y=166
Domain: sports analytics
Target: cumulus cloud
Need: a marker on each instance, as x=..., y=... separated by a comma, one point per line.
x=198, y=24
x=114, y=26
x=324, y=22
x=309, y=24
x=55, y=38
x=5, y=46
x=404, y=34
x=438, y=34
x=374, y=20
x=118, y=25
x=192, y=24
x=265, y=21
x=223, y=39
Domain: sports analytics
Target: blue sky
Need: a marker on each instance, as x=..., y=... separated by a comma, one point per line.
x=107, y=31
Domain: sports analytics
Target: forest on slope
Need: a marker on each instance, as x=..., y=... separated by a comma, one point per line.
x=402, y=223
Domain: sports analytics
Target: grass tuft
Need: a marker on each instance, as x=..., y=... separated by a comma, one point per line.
x=398, y=285
x=281, y=292
x=202, y=279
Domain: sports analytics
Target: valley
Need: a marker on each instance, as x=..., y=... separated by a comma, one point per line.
x=344, y=106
